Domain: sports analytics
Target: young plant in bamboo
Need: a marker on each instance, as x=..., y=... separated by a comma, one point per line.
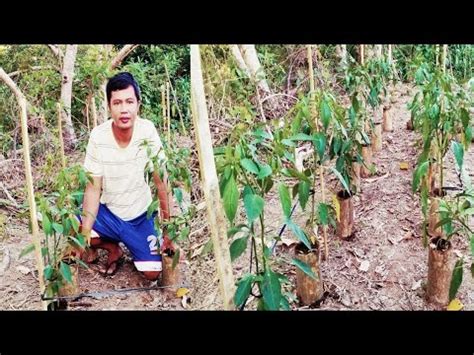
x=179, y=179
x=60, y=225
x=248, y=167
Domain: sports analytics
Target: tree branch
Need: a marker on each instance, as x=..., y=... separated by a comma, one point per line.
x=121, y=55
x=57, y=51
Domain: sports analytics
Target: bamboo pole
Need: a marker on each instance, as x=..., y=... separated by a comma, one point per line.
x=29, y=180
x=321, y=172
x=94, y=112
x=361, y=54
x=60, y=133
x=445, y=54
x=209, y=181
x=163, y=108
x=168, y=110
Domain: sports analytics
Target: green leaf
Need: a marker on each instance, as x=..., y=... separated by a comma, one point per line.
x=284, y=304
x=320, y=144
x=299, y=233
x=184, y=233
x=325, y=112
x=253, y=206
x=58, y=228
x=265, y=170
x=271, y=290
x=65, y=271
x=420, y=172
x=151, y=209
x=472, y=269
x=47, y=228
x=303, y=193
x=472, y=245
x=178, y=193
x=74, y=223
x=28, y=249
x=304, y=267
x=237, y=247
x=301, y=137
x=234, y=230
x=341, y=180
x=468, y=135
x=443, y=222
x=250, y=166
x=285, y=199
x=456, y=279
x=323, y=213
x=80, y=240
x=243, y=289
x=231, y=198
x=458, y=152
x=48, y=272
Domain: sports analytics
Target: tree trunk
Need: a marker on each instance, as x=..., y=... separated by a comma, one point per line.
x=29, y=179
x=210, y=182
x=249, y=53
x=235, y=50
x=70, y=138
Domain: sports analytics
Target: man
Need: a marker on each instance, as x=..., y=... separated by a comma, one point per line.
x=115, y=204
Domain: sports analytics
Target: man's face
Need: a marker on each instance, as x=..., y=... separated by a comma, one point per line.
x=124, y=107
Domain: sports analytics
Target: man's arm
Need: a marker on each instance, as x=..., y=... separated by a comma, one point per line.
x=90, y=205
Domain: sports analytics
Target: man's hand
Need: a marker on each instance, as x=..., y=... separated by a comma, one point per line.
x=87, y=235
x=167, y=243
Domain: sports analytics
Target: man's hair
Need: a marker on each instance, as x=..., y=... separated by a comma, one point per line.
x=121, y=81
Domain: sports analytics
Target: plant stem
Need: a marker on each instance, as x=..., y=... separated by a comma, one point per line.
x=262, y=236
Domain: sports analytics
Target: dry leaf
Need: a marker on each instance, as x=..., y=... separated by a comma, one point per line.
x=416, y=285
x=455, y=305
x=23, y=269
x=181, y=292
x=403, y=165
x=184, y=302
x=364, y=266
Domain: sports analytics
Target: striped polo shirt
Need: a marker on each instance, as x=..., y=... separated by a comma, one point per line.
x=124, y=188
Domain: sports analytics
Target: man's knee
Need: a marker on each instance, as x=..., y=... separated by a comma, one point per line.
x=152, y=275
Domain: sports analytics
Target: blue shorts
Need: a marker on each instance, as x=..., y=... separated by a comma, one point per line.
x=139, y=236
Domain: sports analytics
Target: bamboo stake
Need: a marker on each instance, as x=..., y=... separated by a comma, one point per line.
x=60, y=132
x=94, y=112
x=362, y=54
x=445, y=53
x=321, y=173
x=29, y=180
x=168, y=110
x=163, y=108
x=87, y=114
x=209, y=181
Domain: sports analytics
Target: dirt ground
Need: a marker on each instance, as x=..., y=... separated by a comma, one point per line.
x=383, y=267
